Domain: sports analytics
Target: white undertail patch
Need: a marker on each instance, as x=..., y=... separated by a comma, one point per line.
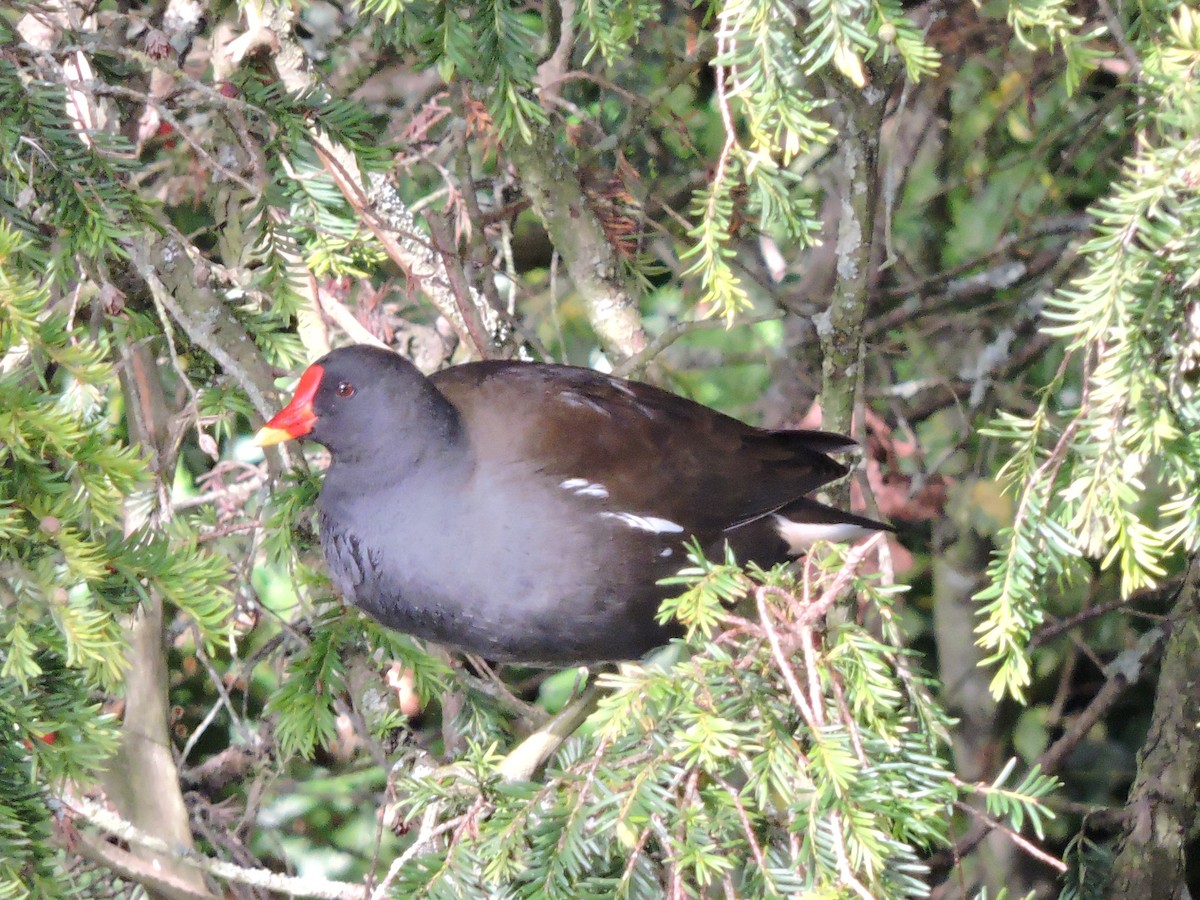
x=800, y=536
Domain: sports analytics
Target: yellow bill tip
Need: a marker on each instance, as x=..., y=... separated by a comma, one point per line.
x=267, y=436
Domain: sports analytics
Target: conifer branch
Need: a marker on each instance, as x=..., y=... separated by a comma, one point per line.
x=373, y=198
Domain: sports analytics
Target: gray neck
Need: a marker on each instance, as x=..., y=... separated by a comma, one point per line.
x=415, y=440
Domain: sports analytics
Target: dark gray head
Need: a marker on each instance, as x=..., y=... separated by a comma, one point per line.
x=369, y=406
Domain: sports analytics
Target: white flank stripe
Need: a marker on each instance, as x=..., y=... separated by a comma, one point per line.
x=584, y=488
x=645, y=523
x=621, y=386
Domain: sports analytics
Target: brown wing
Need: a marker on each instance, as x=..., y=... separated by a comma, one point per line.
x=654, y=453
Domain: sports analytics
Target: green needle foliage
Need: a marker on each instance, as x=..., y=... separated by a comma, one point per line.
x=76, y=559
x=735, y=769
x=93, y=209
x=1086, y=473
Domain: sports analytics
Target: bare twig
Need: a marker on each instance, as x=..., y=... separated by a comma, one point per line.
x=747, y=828
x=1157, y=594
x=781, y=660
x=183, y=131
x=1057, y=753
x=641, y=359
x=847, y=718
x=428, y=832
x=373, y=198
x=1118, y=32
x=1024, y=843
x=336, y=310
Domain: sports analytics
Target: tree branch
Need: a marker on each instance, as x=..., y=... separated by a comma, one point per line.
x=553, y=187
x=840, y=326
x=140, y=871
x=1124, y=672
x=293, y=886
x=178, y=283
x=142, y=779
x=1161, y=809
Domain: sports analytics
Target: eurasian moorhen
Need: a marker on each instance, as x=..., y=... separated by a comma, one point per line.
x=525, y=512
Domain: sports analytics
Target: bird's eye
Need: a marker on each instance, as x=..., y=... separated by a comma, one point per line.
x=345, y=389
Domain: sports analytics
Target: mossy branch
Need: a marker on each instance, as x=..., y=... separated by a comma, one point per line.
x=553, y=188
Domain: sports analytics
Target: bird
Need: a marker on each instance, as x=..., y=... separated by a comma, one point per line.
x=526, y=512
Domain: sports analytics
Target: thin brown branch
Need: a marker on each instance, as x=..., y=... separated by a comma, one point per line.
x=785, y=666
x=479, y=252
x=747, y=827
x=1151, y=595
x=460, y=288
x=131, y=868
x=1122, y=677
x=848, y=721
x=373, y=198
x=112, y=824
x=394, y=226
x=634, y=364
x=1024, y=843
x=181, y=130
x=428, y=832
